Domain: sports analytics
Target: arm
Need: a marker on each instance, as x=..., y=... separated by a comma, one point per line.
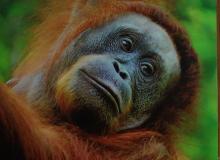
x=22, y=135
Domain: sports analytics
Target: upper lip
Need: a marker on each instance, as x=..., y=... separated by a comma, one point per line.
x=108, y=91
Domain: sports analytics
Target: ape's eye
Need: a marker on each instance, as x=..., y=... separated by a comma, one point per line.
x=147, y=68
x=127, y=44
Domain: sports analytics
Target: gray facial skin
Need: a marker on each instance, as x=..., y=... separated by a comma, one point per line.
x=116, y=74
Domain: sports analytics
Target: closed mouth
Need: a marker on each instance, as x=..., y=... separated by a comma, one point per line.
x=106, y=89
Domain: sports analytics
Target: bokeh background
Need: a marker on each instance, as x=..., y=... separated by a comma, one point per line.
x=199, y=19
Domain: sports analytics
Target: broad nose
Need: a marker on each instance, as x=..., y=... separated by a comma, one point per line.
x=120, y=70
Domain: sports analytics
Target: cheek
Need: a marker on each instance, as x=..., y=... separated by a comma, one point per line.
x=64, y=96
x=66, y=84
x=146, y=95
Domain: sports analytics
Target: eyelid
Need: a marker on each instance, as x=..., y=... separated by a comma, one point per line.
x=123, y=32
x=150, y=56
x=130, y=34
x=150, y=60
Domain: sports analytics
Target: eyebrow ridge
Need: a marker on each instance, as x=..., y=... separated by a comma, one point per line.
x=123, y=31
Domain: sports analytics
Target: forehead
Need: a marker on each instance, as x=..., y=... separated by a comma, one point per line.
x=155, y=38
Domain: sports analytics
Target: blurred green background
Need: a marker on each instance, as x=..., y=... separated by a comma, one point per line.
x=199, y=19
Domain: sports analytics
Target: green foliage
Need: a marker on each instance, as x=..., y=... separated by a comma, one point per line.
x=199, y=19
x=14, y=19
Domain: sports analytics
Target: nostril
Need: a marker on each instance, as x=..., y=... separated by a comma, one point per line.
x=123, y=75
x=115, y=64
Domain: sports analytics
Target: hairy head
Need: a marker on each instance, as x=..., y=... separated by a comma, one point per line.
x=117, y=71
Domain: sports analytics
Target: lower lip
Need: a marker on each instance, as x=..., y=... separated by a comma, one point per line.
x=97, y=84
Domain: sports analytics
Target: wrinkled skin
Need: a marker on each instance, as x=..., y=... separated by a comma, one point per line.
x=111, y=76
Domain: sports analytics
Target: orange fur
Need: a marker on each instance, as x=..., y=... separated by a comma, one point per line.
x=34, y=137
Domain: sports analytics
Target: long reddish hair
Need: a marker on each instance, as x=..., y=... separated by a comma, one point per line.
x=66, y=20
x=57, y=35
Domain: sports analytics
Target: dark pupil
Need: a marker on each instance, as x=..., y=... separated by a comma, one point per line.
x=147, y=69
x=127, y=45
